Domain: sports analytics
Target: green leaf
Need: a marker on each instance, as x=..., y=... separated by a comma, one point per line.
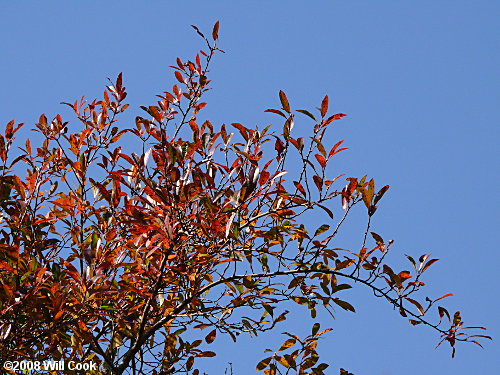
x=108, y=308
x=345, y=305
x=239, y=287
x=94, y=240
x=263, y=261
x=180, y=331
x=315, y=328
x=269, y=309
x=322, y=229
x=340, y=287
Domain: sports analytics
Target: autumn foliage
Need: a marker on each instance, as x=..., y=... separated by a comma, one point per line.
x=121, y=245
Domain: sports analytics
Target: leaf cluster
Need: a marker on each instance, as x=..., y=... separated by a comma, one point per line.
x=125, y=258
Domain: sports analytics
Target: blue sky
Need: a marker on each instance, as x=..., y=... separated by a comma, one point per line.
x=419, y=82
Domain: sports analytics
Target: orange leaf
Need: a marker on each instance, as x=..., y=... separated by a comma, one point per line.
x=446, y=295
x=288, y=343
x=403, y=275
x=263, y=364
x=59, y=315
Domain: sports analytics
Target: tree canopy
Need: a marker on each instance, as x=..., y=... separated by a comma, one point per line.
x=139, y=259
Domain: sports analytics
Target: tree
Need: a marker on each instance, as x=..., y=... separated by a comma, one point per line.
x=122, y=258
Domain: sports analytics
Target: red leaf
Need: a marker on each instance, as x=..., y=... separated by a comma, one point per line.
x=327, y=210
x=353, y=182
x=211, y=337
x=424, y=257
x=198, y=62
x=380, y=193
x=299, y=187
x=178, y=75
x=333, y=151
x=198, y=31
x=442, y=312
x=180, y=64
x=279, y=146
x=301, y=143
x=307, y=113
x=417, y=305
x=321, y=160
x=332, y=118
x=242, y=129
x=264, y=177
x=278, y=112
x=8, y=129
x=429, y=263
x=215, y=31
x=284, y=101
x=318, y=181
x=119, y=81
x=295, y=143
x=324, y=106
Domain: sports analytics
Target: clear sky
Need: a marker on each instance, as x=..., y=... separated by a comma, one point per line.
x=419, y=81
